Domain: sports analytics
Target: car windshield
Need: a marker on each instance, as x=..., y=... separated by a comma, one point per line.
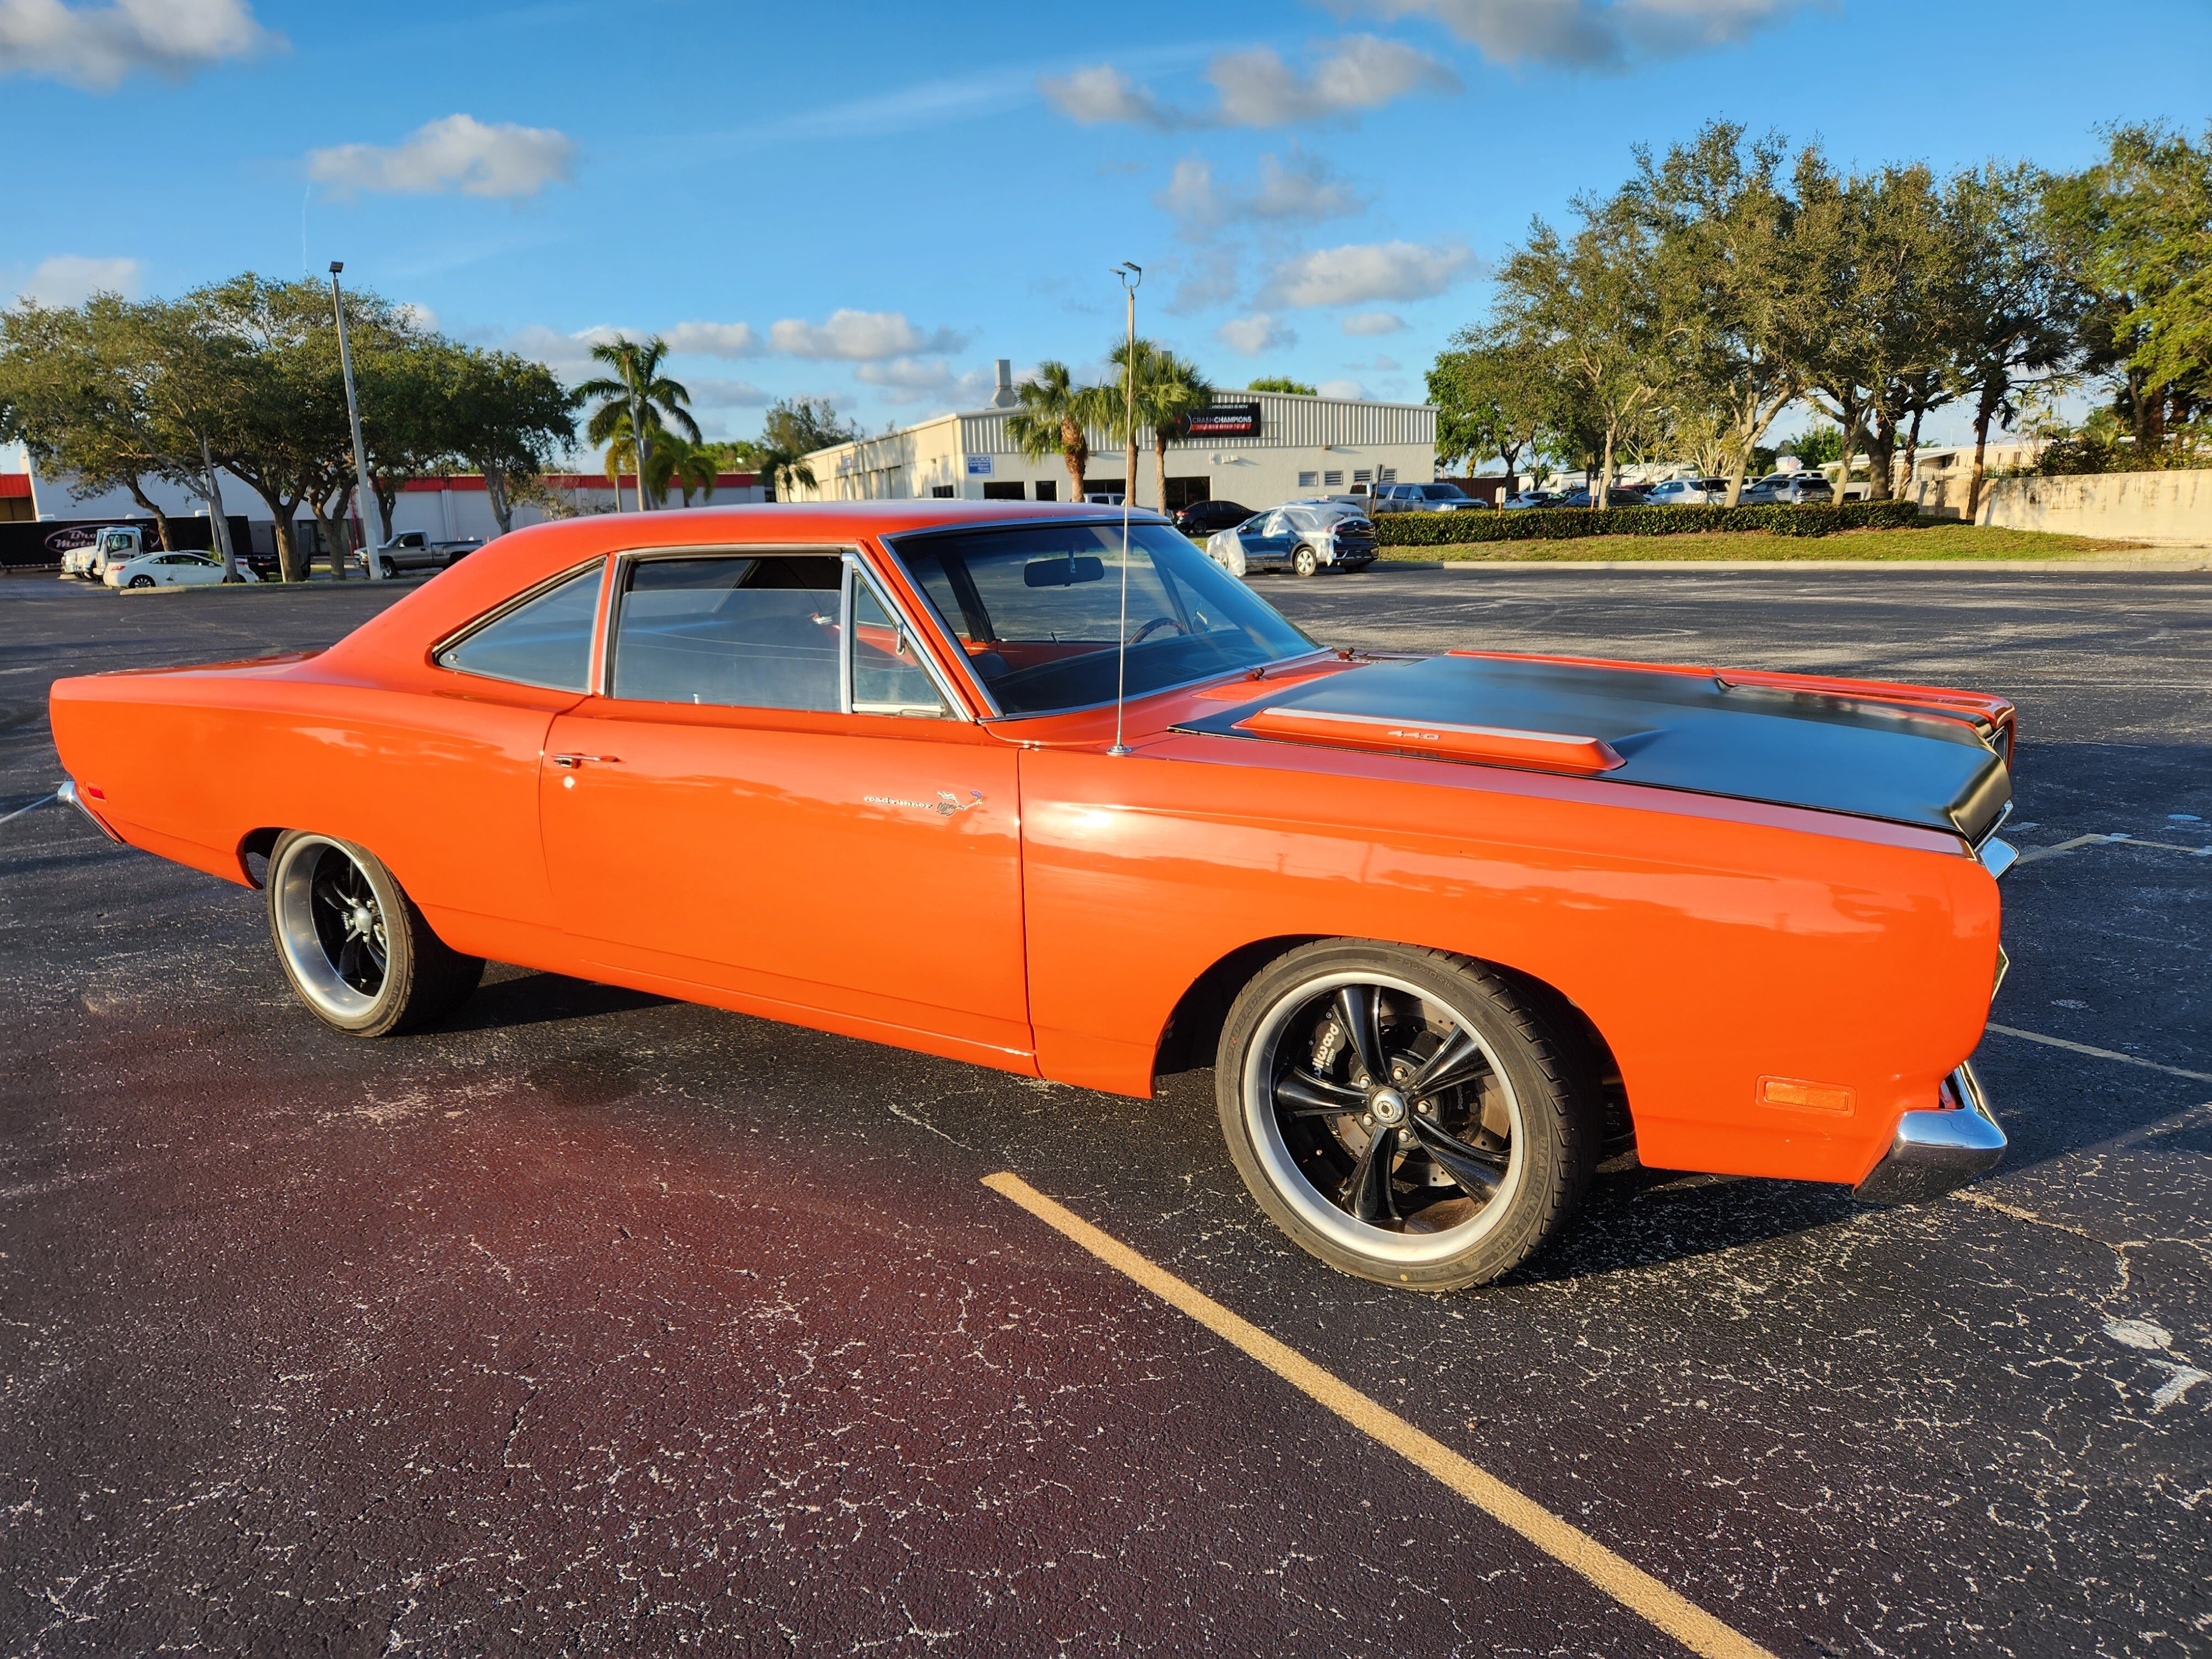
x=1038, y=609
x=1442, y=492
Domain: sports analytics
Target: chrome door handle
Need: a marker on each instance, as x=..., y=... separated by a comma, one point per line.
x=578, y=760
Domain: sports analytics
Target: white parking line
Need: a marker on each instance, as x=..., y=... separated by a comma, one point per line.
x=2080, y=841
x=20, y=811
x=1566, y=1543
x=2098, y=1054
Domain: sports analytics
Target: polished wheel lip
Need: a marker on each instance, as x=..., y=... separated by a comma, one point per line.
x=1312, y=1206
x=291, y=885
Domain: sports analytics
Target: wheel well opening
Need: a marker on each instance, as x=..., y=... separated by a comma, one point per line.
x=1192, y=1032
x=253, y=855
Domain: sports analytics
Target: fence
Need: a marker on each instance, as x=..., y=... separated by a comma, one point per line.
x=2169, y=509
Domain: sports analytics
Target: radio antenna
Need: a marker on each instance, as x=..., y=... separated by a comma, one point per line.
x=1132, y=276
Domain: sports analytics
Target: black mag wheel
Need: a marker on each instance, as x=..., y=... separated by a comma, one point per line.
x=1402, y=1114
x=354, y=946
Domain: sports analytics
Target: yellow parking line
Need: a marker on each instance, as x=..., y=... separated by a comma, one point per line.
x=1634, y=1588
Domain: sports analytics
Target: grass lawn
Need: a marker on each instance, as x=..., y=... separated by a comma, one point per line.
x=1934, y=541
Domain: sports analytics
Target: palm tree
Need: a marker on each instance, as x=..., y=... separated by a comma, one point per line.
x=1170, y=391
x=673, y=460
x=1053, y=420
x=782, y=470
x=690, y=466
x=637, y=394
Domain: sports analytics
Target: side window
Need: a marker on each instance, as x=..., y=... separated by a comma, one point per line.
x=736, y=631
x=546, y=641
x=888, y=677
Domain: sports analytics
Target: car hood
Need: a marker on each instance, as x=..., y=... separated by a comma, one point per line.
x=1695, y=731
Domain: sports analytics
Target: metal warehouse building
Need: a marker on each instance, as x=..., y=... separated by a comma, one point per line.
x=1256, y=448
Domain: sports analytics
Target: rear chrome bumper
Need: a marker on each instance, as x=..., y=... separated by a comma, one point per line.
x=68, y=796
x=1938, y=1151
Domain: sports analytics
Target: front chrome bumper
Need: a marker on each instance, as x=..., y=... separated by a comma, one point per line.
x=1938, y=1151
x=67, y=795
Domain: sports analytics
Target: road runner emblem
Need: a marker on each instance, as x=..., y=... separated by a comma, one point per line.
x=947, y=802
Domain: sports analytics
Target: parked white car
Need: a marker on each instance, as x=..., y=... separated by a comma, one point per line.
x=1687, y=492
x=170, y=570
x=1299, y=535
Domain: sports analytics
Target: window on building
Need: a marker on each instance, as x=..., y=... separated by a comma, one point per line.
x=1003, y=492
x=943, y=492
x=546, y=640
x=751, y=633
x=1386, y=474
x=1362, y=476
x=1047, y=490
x=1332, y=480
x=1308, y=480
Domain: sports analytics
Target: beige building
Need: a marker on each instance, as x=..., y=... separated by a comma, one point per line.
x=1256, y=448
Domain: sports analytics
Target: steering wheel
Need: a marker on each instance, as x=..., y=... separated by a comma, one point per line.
x=1138, y=638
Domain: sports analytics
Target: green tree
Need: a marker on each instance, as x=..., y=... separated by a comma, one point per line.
x=2014, y=314
x=509, y=418
x=637, y=392
x=1591, y=305
x=1055, y=416
x=1494, y=395
x=2134, y=232
x=1280, y=383
x=1735, y=272
x=799, y=426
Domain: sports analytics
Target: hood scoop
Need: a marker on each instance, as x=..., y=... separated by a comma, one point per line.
x=1498, y=745
x=1665, y=729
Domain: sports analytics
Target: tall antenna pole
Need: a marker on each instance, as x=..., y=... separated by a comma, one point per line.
x=1131, y=277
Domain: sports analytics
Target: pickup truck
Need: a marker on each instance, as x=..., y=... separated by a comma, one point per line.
x=413, y=550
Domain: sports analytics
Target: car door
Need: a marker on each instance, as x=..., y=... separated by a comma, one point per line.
x=1266, y=537
x=771, y=796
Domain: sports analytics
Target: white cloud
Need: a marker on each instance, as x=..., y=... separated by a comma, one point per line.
x=708, y=393
x=97, y=46
x=564, y=354
x=1361, y=72
x=1380, y=363
x=919, y=379
x=1361, y=272
x=1255, y=334
x=714, y=340
x=860, y=337
x=1350, y=391
x=457, y=152
x=69, y=279
x=1374, y=322
x=1584, y=34
x=1301, y=187
x=1101, y=94
x=1256, y=88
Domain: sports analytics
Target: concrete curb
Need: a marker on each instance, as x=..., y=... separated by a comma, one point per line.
x=352, y=586
x=2192, y=559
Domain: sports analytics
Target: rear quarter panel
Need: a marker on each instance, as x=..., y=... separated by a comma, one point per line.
x=1713, y=942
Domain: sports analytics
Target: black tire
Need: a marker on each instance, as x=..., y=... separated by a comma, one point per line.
x=1483, y=1172
x=142, y=581
x=1305, y=560
x=356, y=950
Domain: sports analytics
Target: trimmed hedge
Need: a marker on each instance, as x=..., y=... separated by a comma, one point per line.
x=1546, y=524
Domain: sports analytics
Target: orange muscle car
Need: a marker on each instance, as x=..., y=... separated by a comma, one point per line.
x=1451, y=930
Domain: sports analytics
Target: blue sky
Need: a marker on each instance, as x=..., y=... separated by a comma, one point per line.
x=872, y=203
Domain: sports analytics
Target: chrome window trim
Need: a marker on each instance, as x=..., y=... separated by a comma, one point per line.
x=851, y=561
x=947, y=632
x=476, y=625
x=856, y=570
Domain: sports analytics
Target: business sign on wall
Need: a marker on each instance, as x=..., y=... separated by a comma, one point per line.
x=1240, y=420
x=979, y=466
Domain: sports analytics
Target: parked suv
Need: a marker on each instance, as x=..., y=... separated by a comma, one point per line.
x=1789, y=488
x=1423, y=498
x=1688, y=492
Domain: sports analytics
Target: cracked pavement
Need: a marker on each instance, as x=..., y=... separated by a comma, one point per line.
x=589, y=1321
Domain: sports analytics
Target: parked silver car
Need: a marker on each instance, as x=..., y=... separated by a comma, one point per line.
x=1788, y=488
x=1687, y=492
x=1298, y=535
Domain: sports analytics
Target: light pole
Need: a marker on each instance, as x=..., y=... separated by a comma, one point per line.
x=364, y=491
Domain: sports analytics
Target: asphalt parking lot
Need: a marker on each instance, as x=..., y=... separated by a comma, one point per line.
x=592, y=1322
